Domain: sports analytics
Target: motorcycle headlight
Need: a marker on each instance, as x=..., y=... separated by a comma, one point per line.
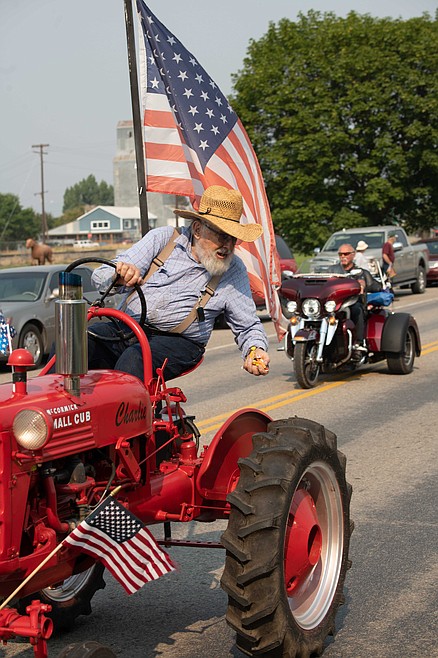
x=31, y=429
x=311, y=308
x=291, y=307
x=330, y=306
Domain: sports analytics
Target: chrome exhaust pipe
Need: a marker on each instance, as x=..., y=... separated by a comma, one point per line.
x=71, y=335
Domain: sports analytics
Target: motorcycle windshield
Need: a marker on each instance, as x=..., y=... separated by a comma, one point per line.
x=322, y=267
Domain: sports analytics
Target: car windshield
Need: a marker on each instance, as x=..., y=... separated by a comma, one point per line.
x=21, y=286
x=374, y=240
x=432, y=247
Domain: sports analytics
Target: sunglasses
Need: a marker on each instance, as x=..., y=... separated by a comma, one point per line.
x=345, y=253
x=222, y=237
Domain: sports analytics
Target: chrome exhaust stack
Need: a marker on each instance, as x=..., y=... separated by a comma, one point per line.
x=71, y=334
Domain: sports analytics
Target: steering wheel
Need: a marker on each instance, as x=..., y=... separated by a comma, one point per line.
x=103, y=295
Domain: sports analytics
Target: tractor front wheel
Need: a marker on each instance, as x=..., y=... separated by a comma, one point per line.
x=287, y=541
x=70, y=598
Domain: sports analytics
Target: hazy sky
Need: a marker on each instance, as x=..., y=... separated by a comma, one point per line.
x=64, y=75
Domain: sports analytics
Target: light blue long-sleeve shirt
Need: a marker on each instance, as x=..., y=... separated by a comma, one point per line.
x=173, y=290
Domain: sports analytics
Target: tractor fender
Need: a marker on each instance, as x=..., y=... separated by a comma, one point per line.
x=219, y=472
x=394, y=333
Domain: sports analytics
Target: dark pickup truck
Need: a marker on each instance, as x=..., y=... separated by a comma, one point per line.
x=411, y=260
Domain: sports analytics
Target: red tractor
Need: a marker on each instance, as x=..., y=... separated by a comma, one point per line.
x=70, y=438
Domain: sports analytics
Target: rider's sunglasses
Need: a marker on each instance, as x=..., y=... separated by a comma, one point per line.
x=345, y=253
x=222, y=237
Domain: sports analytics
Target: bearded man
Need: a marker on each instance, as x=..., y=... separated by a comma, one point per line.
x=189, y=278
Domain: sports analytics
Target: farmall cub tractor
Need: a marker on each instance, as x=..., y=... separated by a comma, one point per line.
x=69, y=437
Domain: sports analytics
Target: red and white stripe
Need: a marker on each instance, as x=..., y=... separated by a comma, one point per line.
x=172, y=167
x=133, y=562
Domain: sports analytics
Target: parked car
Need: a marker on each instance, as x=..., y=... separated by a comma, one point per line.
x=27, y=300
x=431, y=245
x=85, y=244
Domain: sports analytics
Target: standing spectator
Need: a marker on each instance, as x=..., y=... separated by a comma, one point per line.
x=360, y=258
x=388, y=255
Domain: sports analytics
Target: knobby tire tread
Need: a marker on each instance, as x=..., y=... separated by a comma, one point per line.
x=253, y=578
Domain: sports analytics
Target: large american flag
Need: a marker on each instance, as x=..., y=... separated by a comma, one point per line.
x=194, y=139
x=122, y=542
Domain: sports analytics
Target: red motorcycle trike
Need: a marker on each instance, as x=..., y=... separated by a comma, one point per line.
x=321, y=335
x=69, y=438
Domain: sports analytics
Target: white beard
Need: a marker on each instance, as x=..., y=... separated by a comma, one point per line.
x=213, y=266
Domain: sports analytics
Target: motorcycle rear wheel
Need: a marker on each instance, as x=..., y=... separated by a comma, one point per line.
x=306, y=368
x=287, y=541
x=403, y=363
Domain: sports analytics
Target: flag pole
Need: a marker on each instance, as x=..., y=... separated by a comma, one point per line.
x=46, y=559
x=136, y=118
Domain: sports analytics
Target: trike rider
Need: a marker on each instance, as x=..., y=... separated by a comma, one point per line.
x=201, y=259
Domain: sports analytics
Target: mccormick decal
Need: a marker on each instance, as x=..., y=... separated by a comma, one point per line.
x=129, y=414
x=78, y=418
x=68, y=421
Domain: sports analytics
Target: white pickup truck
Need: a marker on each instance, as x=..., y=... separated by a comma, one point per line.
x=411, y=260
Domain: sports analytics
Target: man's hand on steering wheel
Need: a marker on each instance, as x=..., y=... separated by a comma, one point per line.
x=128, y=275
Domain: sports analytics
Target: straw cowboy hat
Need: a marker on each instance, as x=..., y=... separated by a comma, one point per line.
x=223, y=209
x=361, y=245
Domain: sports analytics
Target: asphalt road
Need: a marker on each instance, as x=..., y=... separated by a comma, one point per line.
x=387, y=427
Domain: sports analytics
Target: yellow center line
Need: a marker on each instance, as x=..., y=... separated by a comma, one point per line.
x=283, y=399
x=263, y=405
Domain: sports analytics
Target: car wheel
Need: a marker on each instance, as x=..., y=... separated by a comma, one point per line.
x=420, y=285
x=31, y=340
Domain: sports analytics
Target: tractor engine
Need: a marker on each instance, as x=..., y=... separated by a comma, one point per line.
x=64, y=438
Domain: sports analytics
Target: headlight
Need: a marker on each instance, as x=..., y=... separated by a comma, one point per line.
x=291, y=307
x=311, y=308
x=330, y=306
x=31, y=429
x=433, y=264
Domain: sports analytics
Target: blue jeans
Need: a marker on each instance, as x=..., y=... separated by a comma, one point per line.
x=182, y=354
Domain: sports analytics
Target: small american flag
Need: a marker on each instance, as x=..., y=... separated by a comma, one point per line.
x=122, y=542
x=194, y=139
x=7, y=332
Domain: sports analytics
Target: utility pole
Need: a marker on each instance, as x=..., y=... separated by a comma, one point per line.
x=136, y=118
x=43, y=214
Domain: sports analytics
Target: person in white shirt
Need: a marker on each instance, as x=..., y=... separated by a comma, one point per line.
x=360, y=259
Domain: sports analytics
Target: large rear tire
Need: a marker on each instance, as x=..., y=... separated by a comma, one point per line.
x=403, y=363
x=287, y=541
x=70, y=598
x=306, y=368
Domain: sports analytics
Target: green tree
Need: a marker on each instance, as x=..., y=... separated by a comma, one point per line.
x=17, y=223
x=343, y=116
x=88, y=192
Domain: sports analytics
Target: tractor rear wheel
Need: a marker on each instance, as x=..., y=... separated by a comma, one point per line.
x=70, y=598
x=287, y=541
